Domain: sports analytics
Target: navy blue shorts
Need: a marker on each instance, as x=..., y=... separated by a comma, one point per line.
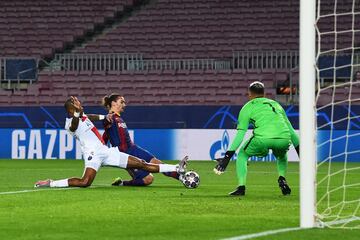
x=143, y=154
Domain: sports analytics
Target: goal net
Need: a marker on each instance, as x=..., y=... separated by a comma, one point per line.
x=338, y=113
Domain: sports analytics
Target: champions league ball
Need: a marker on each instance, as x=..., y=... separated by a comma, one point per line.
x=191, y=179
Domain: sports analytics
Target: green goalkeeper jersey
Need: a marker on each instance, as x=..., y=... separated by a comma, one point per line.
x=268, y=119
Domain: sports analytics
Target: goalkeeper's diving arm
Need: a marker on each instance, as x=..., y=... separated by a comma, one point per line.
x=223, y=162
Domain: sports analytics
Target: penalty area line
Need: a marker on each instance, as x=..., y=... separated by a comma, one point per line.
x=262, y=234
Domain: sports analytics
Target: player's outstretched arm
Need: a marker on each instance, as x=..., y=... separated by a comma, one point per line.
x=100, y=117
x=223, y=162
x=243, y=124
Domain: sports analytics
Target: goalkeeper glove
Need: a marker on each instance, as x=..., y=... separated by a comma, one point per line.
x=223, y=162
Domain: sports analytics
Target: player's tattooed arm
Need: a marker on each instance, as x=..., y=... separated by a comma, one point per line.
x=78, y=112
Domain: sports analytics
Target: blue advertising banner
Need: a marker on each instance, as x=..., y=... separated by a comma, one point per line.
x=167, y=144
x=59, y=144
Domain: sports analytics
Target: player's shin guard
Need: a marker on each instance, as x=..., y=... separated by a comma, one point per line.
x=241, y=167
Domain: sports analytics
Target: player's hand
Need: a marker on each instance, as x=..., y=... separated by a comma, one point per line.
x=76, y=103
x=109, y=117
x=223, y=162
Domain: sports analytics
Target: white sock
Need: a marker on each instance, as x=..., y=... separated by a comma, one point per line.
x=59, y=183
x=167, y=168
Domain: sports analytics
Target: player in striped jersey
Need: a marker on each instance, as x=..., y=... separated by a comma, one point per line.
x=117, y=133
x=96, y=153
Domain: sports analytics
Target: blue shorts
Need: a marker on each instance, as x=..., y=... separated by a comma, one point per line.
x=143, y=154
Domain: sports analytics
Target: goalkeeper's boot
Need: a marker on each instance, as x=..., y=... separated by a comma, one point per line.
x=117, y=182
x=181, y=167
x=239, y=191
x=43, y=183
x=285, y=189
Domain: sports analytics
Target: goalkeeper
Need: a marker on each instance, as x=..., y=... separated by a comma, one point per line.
x=272, y=130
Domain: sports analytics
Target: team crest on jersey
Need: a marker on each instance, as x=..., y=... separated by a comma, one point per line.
x=122, y=125
x=89, y=158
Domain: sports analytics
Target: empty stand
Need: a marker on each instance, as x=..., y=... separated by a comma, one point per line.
x=199, y=29
x=214, y=28
x=162, y=29
x=143, y=88
x=37, y=28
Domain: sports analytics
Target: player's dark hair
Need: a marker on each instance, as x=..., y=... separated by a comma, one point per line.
x=257, y=88
x=68, y=103
x=106, y=101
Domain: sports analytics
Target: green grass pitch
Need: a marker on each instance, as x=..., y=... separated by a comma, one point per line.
x=165, y=210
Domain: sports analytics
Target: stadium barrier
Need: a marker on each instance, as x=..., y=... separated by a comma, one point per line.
x=94, y=62
x=265, y=59
x=17, y=70
x=179, y=64
x=136, y=62
x=290, y=60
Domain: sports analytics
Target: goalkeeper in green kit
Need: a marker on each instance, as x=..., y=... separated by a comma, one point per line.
x=272, y=130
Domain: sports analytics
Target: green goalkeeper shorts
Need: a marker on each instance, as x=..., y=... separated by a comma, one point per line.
x=260, y=146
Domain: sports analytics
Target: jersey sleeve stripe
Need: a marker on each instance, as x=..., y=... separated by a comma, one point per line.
x=96, y=132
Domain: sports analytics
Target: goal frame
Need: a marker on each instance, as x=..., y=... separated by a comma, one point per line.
x=307, y=118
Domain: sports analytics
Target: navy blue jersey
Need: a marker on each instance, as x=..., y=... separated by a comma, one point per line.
x=118, y=134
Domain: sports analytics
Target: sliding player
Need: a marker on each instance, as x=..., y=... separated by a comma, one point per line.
x=272, y=130
x=97, y=154
x=117, y=133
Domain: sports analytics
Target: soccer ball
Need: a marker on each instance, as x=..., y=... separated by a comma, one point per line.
x=191, y=179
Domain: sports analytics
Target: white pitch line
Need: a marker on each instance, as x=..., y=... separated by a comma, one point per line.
x=38, y=190
x=262, y=234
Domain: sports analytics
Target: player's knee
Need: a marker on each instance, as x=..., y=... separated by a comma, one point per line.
x=148, y=179
x=136, y=162
x=142, y=164
x=155, y=160
x=86, y=182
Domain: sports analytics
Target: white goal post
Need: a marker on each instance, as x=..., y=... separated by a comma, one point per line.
x=307, y=114
x=329, y=80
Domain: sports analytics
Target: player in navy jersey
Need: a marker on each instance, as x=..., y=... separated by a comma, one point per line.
x=117, y=133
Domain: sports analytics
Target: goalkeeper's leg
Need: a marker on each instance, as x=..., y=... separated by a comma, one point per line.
x=282, y=164
x=241, y=167
x=253, y=147
x=241, y=172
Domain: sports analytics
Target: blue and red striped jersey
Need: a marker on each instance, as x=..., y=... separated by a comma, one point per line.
x=117, y=132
